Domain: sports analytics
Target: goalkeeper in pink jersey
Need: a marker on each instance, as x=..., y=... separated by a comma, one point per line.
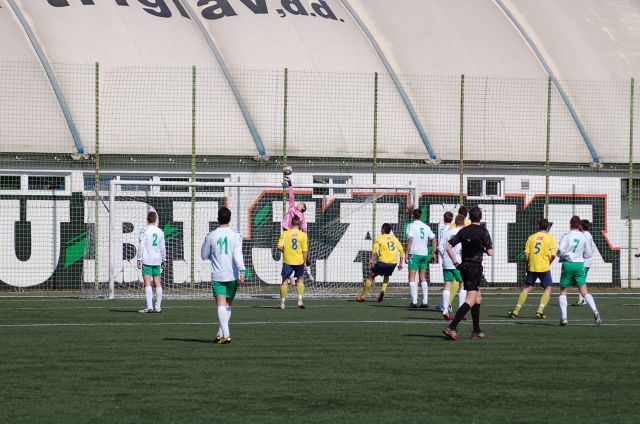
x=295, y=209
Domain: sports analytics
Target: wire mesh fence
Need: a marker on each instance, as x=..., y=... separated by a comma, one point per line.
x=521, y=149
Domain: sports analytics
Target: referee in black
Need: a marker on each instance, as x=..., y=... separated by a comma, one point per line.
x=476, y=241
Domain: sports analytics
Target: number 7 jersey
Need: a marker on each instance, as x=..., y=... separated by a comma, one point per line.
x=223, y=247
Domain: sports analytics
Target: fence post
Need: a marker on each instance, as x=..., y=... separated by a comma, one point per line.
x=374, y=156
x=96, y=227
x=630, y=185
x=461, y=201
x=547, y=176
x=285, y=123
x=192, y=270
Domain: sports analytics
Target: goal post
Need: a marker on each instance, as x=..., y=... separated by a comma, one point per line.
x=339, y=216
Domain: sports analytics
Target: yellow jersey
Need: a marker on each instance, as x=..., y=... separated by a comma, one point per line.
x=467, y=222
x=387, y=246
x=540, y=247
x=294, y=243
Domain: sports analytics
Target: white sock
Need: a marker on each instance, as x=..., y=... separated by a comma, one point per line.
x=148, y=291
x=223, y=317
x=562, y=301
x=591, y=303
x=425, y=293
x=413, y=290
x=462, y=297
x=580, y=297
x=446, y=295
x=158, y=298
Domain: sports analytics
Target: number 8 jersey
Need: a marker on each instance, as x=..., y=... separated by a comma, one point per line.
x=540, y=247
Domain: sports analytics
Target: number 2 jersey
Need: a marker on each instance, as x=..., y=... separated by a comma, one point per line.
x=575, y=246
x=540, y=247
x=223, y=247
x=152, y=250
x=294, y=243
x=387, y=247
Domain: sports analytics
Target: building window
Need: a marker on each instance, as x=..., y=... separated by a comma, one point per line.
x=485, y=187
x=9, y=182
x=331, y=192
x=175, y=189
x=211, y=180
x=90, y=182
x=47, y=182
x=134, y=187
x=624, y=186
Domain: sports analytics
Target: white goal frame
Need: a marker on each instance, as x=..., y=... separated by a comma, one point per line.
x=114, y=184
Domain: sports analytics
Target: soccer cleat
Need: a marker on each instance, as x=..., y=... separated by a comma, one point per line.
x=217, y=339
x=480, y=335
x=512, y=314
x=359, y=298
x=157, y=311
x=146, y=311
x=541, y=315
x=381, y=297
x=580, y=303
x=224, y=341
x=280, y=306
x=424, y=306
x=450, y=333
x=563, y=322
x=598, y=319
x=413, y=305
x=446, y=316
x=439, y=308
x=301, y=306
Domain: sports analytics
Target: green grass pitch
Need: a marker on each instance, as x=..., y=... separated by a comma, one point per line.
x=69, y=360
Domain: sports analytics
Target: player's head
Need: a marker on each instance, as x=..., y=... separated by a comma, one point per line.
x=295, y=222
x=417, y=214
x=301, y=207
x=152, y=217
x=448, y=217
x=463, y=211
x=460, y=220
x=386, y=228
x=585, y=225
x=543, y=224
x=475, y=214
x=575, y=222
x=224, y=216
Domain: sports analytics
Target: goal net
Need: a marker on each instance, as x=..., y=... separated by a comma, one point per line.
x=343, y=220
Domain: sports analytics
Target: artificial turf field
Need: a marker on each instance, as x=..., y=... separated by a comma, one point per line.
x=70, y=360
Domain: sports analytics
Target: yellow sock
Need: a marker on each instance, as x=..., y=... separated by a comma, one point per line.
x=366, y=288
x=455, y=286
x=300, y=290
x=521, y=300
x=543, y=302
x=284, y=289
x=385, y=284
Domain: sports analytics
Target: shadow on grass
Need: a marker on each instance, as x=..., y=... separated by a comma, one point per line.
x=173, y=339
x=428, y=336
x=125, y=311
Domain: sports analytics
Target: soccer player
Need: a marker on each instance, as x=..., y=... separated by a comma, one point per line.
x=294, y=210
x=539, y=251
x=418, y=257
x=462, y=210
x=475, y=241
x=389, y=251
x=574, y=248
x=223, y=247
x=152, y=259
x=293, y=244
x=450, y=273
x=585, y=225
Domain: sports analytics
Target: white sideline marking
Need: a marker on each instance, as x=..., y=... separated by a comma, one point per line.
x=586, y=322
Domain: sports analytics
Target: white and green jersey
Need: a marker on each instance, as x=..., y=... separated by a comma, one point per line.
x=421, y=234
x=151, y=249
x=587, y=261
x=447, y=235
x=575, y=247
x=223, y=247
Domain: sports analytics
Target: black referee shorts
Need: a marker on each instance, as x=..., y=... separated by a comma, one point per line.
x=472, y=276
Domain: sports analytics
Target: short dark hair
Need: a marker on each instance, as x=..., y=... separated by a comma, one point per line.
x=475, y=214
x=224, y=216
x=585, y=224
x=295, y=221
x=152, y=217
x=386, y=228
x=463, y=211
x=574, y=222
x=448, y=217
x=417, y=214
x=543, y=224
x=460, y=220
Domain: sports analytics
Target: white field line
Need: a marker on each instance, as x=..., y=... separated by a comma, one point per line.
x=581, y=322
